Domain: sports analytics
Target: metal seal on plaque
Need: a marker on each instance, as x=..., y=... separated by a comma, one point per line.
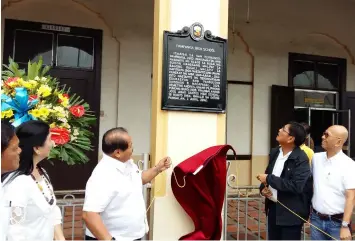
x=197, y=31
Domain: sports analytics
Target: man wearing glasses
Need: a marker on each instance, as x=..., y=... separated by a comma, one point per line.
x=334, y=187
x=287, y=180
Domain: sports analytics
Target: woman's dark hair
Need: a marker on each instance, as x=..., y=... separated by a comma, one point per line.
x=31, y=134
x=7, y=133
x=306, y=127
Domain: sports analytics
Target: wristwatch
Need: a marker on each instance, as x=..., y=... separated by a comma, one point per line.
x=345, y=224
x=113, y=238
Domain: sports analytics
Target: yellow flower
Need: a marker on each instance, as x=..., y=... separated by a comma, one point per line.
x=52, y=125
x=13, y=82
x=35, y=113
x=44, y=90
x=44, y=112
x=5, y=91
x=64, y=101
x=33, y=83
x=26, y=84
x=65, y=125
x=59, y=111
x=7, y=113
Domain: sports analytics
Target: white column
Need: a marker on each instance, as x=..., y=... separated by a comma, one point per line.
x=180, y=134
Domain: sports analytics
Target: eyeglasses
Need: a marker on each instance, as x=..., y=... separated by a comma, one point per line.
x=326, y=135
x=283, y=129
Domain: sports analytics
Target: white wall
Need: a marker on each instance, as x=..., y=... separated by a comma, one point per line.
x=238, y=118
x=276, y=27
x=135, y=89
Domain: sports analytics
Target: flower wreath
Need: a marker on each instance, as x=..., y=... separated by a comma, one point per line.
x=37, y=96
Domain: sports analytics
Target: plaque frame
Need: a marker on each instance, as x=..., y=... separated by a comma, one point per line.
x=206, y=107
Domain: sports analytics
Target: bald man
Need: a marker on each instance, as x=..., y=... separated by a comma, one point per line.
x=334, y=187
x=114, y=207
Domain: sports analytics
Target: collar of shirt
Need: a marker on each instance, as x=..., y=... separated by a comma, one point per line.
x=282, y=154
x=123, y=167
x=335, y=157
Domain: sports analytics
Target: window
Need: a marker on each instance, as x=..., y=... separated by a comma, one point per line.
x=304, y=74
x=29, y=45
x=315, y=72
x=75, y=51
x=328, y=76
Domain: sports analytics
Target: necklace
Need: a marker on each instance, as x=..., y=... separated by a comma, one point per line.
x=50, y=201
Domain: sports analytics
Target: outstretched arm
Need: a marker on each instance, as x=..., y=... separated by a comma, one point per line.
x=151, y=173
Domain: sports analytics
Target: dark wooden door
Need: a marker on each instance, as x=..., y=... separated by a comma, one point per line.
x=82, y=83
x=348, y=103
x=75, y=57
x=282, y=110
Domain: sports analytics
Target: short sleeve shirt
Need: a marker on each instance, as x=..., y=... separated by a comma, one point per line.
x=115, y=190
x=332, y=177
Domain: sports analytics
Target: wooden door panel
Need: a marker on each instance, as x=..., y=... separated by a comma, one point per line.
x=77, y=174
x=349, y=103
x=282, y=110
x=81, y=87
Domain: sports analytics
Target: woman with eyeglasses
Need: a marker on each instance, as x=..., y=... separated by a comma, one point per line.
x=10, y=157
x=34, y=213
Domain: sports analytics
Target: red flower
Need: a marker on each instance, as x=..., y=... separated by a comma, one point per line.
x=10, y=80
x=60, y=136
x=32, y=97
x=77, y=110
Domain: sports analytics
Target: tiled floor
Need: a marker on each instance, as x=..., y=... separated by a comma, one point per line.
x=247, y=220
x=250, y=217
x=70, y=218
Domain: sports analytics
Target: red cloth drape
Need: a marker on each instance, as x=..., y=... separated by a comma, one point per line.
x=202, y=196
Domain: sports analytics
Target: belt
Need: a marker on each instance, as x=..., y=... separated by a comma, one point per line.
x=334, y=217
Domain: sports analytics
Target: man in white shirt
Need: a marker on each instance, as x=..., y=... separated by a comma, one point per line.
x=114, y=207
x=334, y=187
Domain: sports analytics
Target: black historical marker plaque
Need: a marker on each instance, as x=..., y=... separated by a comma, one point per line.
x=194, y=71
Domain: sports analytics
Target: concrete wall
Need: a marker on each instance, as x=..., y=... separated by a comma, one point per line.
x=275, y=28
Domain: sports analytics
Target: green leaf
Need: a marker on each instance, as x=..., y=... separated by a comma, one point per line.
x=84, y=147
x=64, y=154
x=73, y=152
x=45, y=70
x=78, y=152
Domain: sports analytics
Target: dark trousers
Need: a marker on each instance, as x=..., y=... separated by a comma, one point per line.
x=278, y=232
x=90, y=238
